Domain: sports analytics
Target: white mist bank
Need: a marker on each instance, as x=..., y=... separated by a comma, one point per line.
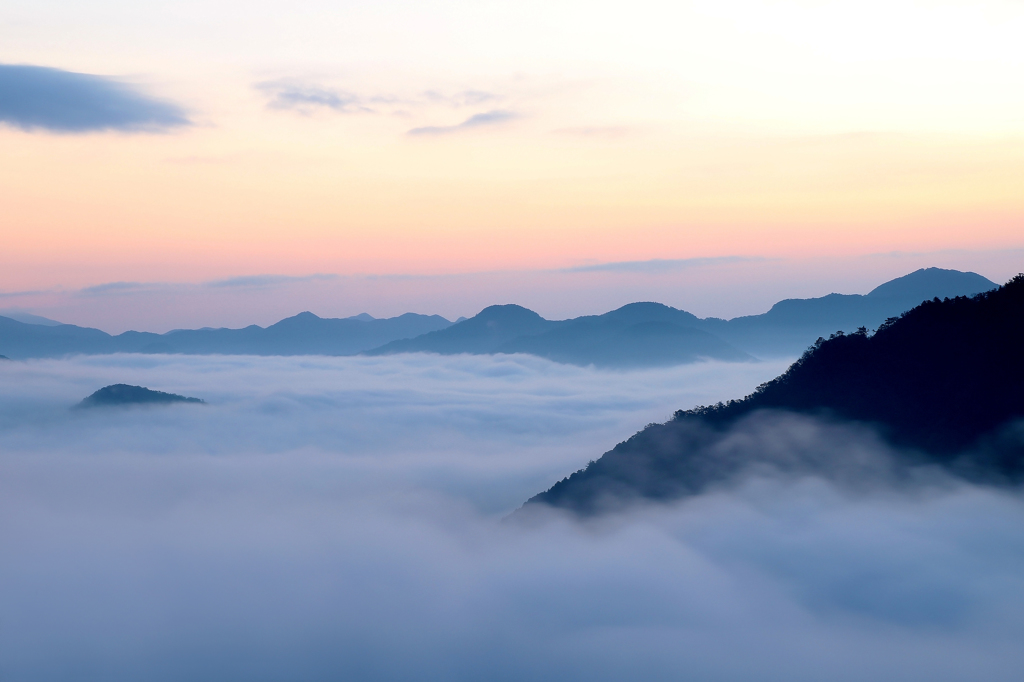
x=325, y=519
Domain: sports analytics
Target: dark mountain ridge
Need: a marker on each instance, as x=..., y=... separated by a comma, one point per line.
x=943, y=384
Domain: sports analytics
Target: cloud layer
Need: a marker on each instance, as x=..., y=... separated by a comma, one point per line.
x=340, y=519
x=42, y=98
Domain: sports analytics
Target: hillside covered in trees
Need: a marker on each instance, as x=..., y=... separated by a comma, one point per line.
x=942, y=384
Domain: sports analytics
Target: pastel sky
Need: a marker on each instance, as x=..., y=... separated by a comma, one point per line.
x=174, y=145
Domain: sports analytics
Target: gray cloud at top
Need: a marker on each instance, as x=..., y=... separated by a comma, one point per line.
x=339, y=518
x=43, y=98
x=488, y=118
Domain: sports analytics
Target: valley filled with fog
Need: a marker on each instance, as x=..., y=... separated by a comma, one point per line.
x=347, y=518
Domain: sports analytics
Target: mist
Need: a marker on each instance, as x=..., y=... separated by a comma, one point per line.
x=346, y=518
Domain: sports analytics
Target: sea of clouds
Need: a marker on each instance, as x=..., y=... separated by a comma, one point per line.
x=345, y=519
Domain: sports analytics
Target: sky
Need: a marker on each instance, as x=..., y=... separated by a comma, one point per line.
x=446, y=155
x=342, y=518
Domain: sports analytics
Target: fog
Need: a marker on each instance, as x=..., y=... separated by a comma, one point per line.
x=345, y=518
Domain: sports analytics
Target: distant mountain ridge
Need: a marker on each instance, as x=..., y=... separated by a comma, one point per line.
x=303, y=334
x=943, y=383
x=636, y=335
x=793, y=324
x=653, y=334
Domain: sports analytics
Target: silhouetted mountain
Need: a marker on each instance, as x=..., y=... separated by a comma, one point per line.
x=4, y=357
x=303, y=334
x=652, y=334
x=639, y=334
x=124, y=394
x=792, y=324
x=636, y=335
x=943, y=384
x=483, y=333
x=20, y=340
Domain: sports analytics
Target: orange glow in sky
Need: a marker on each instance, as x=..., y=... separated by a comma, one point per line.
x=467, y=137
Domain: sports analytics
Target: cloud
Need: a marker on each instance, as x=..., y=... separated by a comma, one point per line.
x=337, y=518
x=262, y=281
x=608, y=132
x=119, y=288
x=466, y=98
x=489, y=118
x=659, y=265
x=42, y=98
x=294, y=95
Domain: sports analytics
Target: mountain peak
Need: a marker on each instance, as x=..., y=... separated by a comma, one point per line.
x=928, y=283
x=508, y=311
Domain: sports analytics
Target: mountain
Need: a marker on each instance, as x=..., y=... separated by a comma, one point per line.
x=28, y=318
x=303, y=334
x=486, y=332
x=793, y=324
x=123, y=394
x=652, y=334
x=19, y=340
x=943, y=384
x=636, y=335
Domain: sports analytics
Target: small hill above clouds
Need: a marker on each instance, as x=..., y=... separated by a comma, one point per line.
x=943, y=385
x=124, y=394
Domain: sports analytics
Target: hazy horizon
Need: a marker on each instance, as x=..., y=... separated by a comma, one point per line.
x=343, y=505
x=725, y=288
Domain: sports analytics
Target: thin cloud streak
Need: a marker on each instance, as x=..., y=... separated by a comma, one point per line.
x=262, y=281
x=659, y=265
x=486, y=119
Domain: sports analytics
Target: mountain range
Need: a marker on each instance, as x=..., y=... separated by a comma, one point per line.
x=636, y=335
x=303, y=334
x=942, y=385
x=652, y=334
